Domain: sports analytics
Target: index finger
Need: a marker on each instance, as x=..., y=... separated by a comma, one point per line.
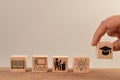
x=101, y=30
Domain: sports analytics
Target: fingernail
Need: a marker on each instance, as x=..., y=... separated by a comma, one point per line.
x=92, y=44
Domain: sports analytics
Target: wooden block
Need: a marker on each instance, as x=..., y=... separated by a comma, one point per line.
x=81, y=64
x=60, y=64
x=39, y=63
x=104, y=50
x=18, y=63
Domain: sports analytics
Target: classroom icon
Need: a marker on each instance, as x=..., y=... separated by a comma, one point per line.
x=59, y=65
x=39, y=63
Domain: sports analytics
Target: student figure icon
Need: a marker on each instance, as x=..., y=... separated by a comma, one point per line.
x=63, y=65
x=59, y=65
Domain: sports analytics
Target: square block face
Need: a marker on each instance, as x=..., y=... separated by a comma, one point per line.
x=39, y=63
x=81, y=64
x=18, y=63
x=104, y=50
x=60, y=64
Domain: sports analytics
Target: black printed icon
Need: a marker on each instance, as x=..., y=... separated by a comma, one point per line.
x=40, y=64
x=59, y=65
x=106, y=50
x=17, y=64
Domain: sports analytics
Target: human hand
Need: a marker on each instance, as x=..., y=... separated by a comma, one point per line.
x=111, y=26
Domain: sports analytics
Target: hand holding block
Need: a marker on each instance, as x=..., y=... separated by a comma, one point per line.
x=39, y=63
x=104, y=50
x=81, y=64
x=18, y=63
x=60, y=64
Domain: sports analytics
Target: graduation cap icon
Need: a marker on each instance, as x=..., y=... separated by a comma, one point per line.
x=105, y=50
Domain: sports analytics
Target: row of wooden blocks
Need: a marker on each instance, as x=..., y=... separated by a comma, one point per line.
x=60, y=63
x=40, y=64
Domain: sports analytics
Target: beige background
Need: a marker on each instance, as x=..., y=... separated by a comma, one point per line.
x=54, y=27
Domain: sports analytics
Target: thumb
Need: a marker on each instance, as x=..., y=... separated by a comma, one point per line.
x=116, y=45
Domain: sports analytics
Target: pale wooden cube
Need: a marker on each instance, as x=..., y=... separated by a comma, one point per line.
x=39, y=63
x=18, y=63
x=104, y=50
x=60, y=64
x=81, y=64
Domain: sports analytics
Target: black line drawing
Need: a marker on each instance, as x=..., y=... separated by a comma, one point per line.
x=40, y=64
x=82, y=64
x=105, y=50
x=59, y=65
x=17, y=64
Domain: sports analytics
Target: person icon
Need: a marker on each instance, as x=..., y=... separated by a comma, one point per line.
x=63, y=65
x=57, y=64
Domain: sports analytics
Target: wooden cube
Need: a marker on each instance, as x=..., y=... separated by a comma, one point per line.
x=104, y=50
x=39, y=63
x=18, y=63
x=60, y=64
x=81, y=64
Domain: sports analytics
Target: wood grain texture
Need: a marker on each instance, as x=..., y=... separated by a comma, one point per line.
x=94, y=74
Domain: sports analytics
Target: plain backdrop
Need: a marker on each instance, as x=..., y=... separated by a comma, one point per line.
x=54, y=27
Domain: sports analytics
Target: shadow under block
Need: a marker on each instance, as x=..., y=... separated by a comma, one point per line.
x=104, y=50
x=39, y=63
x=18, y=63
x=81, y=64
x=60, y=64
